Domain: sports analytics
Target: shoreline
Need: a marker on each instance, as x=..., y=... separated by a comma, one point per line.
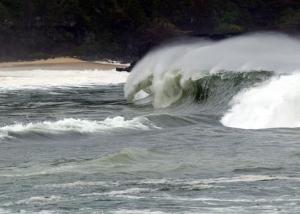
x=64, y=63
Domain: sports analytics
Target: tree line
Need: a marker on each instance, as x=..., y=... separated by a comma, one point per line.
x=120, y=28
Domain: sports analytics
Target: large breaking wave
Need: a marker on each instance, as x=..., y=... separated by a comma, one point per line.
x=251, y=80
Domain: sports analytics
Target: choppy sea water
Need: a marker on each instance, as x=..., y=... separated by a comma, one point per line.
x=75, y=144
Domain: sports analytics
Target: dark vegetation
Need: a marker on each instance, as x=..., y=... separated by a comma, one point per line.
x=128, y=28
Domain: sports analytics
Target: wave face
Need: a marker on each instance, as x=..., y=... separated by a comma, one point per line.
x=75, y=125
x=43, y=79
x=249, y=75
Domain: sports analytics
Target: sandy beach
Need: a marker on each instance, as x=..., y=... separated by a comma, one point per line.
x=65, y=63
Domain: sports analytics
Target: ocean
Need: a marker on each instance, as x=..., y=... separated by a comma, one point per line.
x=196, y=127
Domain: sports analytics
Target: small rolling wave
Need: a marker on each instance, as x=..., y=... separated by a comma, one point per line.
x=75, y=125
x=125, y=160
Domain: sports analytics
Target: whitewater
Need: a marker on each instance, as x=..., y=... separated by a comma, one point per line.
x=198, y=126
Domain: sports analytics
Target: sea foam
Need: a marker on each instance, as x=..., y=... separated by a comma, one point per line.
x=43, y=79
x=76, y=125
x=273, y=104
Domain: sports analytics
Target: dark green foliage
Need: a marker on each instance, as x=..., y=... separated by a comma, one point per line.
x=290, y=19
x=30, y=28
